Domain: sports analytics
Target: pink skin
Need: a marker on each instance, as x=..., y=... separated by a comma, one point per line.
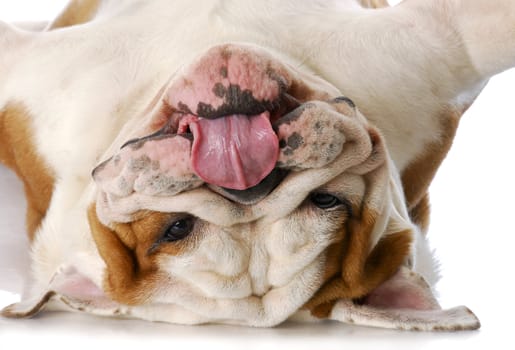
x=226, y=65
x=234, y=151
x=403, y=292
x=149, y=168
x=177, y=166
x=185, y=122
x=317, y=130
x=224, y=149
x=312, y=140
x=219, y=156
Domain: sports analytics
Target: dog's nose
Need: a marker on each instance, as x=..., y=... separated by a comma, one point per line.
x=228, y=80
x=231, y=92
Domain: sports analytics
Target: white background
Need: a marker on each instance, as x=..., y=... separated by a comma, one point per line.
x=471, y=230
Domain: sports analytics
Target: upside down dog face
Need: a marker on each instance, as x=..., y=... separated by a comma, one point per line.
x=259, y=263
x=250, y=192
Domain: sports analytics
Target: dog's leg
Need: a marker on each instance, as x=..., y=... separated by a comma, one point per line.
x=374, y=3
x=482, y=29
x=76, y=12
x=488, y=31
x=413, y=69
x=18, y=152
x=476, y=41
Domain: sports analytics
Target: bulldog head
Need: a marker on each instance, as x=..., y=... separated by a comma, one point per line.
x=250, y=192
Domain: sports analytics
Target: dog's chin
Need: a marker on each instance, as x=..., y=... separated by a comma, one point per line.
x=253, y=194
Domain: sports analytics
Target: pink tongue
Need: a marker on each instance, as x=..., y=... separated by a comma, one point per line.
x=236, y=151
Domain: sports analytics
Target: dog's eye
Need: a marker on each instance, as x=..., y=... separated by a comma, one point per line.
x=179, y=229
x=325, y=200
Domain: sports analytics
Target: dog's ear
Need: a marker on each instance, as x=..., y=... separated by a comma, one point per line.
x=68, y=289
x=128, y=276
x=369, y=277
x=404, y=302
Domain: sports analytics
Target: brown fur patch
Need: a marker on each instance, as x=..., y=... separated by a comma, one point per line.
x=132, y=271
x=374, y=4
x=419, y=214
x=418, y=175
x=18, y=152
x=76, y=12
x=351, y=271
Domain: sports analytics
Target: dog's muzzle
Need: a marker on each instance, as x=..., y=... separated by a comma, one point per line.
x=236, y=120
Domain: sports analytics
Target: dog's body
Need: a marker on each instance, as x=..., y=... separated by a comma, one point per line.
x=71, y=97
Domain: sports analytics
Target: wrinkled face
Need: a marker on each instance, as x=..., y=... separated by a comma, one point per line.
x=249, y=187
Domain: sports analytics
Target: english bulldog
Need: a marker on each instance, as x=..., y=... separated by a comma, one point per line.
x=242, y=162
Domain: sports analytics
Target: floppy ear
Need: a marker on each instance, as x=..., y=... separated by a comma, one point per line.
x=127, y=279
x=68, y=289
x=369, y=280
x=404, y=302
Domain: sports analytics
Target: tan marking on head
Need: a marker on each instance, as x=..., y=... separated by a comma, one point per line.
x=76, y=12
x=352, y=270
x=18, y=152
x=417, y=176
x=132, y=266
